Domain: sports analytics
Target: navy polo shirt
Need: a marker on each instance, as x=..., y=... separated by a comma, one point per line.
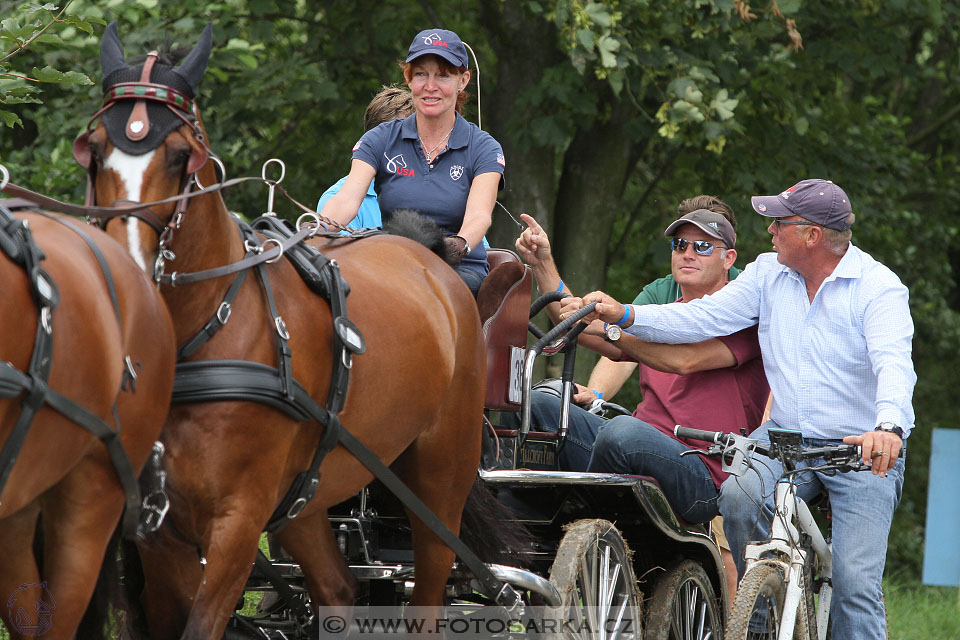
x=439, y=190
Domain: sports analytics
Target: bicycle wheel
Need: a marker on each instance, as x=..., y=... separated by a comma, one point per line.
x=758, y=608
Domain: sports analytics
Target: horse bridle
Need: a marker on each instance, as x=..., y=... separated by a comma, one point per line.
x=136, y=129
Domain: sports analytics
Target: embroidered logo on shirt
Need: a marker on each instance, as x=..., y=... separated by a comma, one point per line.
x=456, y=171
x=357, y=146
x=398, y=165
x=501, y=160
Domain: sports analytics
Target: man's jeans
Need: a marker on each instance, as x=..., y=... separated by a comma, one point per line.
x=863, y=506
x=630, y=446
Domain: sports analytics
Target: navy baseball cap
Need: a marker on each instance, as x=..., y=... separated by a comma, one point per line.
x=819, y=201
x=439, y=42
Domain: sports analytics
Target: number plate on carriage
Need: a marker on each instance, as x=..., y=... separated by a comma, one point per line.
x=515, y=393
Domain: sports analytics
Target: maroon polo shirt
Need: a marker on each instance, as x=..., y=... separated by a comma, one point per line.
x=719, y=399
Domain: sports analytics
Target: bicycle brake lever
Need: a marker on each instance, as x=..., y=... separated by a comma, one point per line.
x=712, y=450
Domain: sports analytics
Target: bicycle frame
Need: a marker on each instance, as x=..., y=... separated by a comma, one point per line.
x=784, y=544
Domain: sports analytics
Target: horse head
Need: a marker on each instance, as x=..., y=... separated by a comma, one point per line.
x=146, y=143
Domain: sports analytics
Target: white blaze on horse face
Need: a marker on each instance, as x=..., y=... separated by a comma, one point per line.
x=130, y=171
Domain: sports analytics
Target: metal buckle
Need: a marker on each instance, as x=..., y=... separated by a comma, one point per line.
x=223, y=313
x=509, y=599
x=296, y=508
x=45, y=316
x=281, y=327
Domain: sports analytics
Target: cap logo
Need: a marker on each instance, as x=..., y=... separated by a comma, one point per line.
x=786, y=194
x=714, y=225
x=761, y=208
x=434, y=39
x=456, y=171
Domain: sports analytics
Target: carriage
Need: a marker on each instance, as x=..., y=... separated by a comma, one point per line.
x=245, y=438
x=603, y=549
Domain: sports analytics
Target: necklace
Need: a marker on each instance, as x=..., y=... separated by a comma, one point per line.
x=423, y=145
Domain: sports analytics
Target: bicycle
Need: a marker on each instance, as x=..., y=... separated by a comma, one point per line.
x=775, y=599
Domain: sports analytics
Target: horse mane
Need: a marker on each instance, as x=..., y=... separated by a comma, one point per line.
x=419, y=228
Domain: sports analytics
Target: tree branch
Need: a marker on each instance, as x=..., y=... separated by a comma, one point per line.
x=431, y=13
x=932, y=129
x=635, y=214
x=21, y=47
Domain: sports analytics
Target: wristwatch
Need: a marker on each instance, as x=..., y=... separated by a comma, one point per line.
x=612, y=333
x=890, y=428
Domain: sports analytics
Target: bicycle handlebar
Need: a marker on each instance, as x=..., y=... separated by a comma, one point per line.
x=735, y=449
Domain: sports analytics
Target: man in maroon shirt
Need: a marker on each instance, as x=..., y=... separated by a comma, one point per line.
x=716, y=384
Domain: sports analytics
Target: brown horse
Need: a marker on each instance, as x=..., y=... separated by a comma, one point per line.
x=64, y=478
x=415, y=396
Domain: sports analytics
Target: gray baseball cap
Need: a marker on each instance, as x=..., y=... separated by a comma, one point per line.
x=711, y=223
x=819, y=201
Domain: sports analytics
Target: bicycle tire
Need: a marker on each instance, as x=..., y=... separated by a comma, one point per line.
x=764, y=583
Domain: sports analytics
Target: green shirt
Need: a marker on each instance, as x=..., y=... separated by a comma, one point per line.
x=666, y=290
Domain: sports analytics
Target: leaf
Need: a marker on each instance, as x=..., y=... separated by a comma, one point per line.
x=724, y=105
x=801, y=125
x=247, y=59
x=10, y=119
x=607, y=47
x=49, y=74
x=599, y=14
x=83, y=23
x=678, y=86
x=586, y=39
x=790, y=7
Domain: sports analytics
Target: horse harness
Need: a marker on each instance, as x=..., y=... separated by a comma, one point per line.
x=219, y=380
x=16, y=241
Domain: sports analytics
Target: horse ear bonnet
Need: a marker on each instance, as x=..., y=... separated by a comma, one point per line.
x=184, y=78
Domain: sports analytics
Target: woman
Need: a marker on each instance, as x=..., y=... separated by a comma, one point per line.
x=434, y=161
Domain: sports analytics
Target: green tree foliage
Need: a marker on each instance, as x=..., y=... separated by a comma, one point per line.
x=610, y=113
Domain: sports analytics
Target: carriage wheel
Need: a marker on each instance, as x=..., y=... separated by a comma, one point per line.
x=594, y=575
x=683, y=606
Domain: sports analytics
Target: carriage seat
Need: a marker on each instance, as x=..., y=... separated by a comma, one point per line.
x=504, y=305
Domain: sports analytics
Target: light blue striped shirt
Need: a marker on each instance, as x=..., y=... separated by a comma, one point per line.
x=838, y=366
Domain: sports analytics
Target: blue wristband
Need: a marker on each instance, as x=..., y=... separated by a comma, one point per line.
x=599, y=394
x=560, y=288
x=626, y=316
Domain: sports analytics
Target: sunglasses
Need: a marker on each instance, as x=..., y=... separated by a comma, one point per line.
x=700, y=247
x=800, y=223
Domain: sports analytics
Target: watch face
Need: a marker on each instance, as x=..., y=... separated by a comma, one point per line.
x=613, y=333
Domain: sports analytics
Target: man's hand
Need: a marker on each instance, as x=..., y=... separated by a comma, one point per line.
x=607, y=309
x=533, y=245
x=882, y=447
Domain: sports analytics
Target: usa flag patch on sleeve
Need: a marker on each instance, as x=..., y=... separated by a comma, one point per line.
x=501, y=160
x=357, y=146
